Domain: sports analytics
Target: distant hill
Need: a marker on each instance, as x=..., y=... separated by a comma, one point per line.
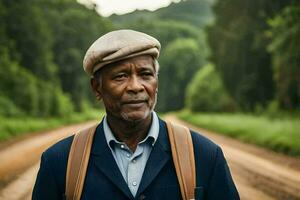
x=194, y=12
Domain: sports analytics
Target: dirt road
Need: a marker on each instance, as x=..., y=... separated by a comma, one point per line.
x=19, y=162
x=259, y=174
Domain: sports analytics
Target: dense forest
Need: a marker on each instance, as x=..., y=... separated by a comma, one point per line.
x=217, y=55
x=41, y=51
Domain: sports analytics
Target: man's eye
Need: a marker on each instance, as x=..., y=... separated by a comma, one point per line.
x=146, y=74
x=120, y=76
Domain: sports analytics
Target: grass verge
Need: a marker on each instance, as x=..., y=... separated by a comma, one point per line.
x=278, y=134
x=15, y=127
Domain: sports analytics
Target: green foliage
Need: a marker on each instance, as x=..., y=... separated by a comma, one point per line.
x=207, y=93
x=52, y=101
x=29, y=94
x=279, y=134
x=180, y=60
x=285, y=49
x=62, y=104
x=8, y=108
x=35, y=38
x=32, y=38
x=238, y=49
x=18, y=85
x=42, y=44
x=74, y=28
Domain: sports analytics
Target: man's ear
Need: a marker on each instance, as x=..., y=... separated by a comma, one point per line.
x=96, y=88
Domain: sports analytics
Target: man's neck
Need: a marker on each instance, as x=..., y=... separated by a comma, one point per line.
x=131, y=133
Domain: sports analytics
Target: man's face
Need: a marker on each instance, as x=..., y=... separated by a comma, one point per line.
x=128, y=88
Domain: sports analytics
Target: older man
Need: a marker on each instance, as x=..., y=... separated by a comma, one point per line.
x=130, y=155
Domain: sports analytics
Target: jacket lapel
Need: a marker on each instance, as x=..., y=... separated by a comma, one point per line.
x=106, y=163
x=159, y=156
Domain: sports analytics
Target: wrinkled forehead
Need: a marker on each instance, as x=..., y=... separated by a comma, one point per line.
x=143, y=61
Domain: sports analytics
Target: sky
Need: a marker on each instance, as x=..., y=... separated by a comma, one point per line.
x=108, y=7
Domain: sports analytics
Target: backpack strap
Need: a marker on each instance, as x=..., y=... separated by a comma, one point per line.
x=182, y=154
x=183, y=158
x=78, y=161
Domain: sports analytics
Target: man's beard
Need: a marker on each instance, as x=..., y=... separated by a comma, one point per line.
x=146, y=114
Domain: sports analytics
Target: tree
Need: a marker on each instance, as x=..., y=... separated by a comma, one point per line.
x=180, y=60
x=285, y=50
x=27, y=27
x=74, y=28
x=27, y=72
x=238, y=49
x=18, y=85
x=206, y=92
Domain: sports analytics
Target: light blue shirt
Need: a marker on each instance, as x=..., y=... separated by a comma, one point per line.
x=132, y=164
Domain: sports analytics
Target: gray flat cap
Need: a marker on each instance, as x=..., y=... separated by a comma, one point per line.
x=118, y=45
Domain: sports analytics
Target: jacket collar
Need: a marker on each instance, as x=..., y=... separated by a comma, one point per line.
x=105, y=162
x=100, y=141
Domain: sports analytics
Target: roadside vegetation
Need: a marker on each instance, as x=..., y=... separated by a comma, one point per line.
x=280, y=134
x=18, y=126
x=42, y=83
x=211, y=62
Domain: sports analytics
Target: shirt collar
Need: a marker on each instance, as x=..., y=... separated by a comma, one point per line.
x=153, y=131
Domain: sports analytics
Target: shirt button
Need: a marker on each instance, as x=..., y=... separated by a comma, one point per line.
x=134, y=183
x=128, y=155
x=122, y=146
x=134, y=160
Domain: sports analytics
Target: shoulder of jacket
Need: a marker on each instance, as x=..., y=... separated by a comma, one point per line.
x=204, y=144
x=199, y=138
x=59, y=149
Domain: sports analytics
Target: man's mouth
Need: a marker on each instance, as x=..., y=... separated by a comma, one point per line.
x=134, y=101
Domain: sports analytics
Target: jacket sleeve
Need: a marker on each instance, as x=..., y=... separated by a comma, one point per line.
x=221, y=185
x=46, y=187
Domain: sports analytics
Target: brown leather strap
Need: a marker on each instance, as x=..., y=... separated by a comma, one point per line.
x=183, y=158
x=78, y=161
x=182, y=153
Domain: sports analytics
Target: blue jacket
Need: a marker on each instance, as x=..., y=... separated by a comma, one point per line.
x=104, y=181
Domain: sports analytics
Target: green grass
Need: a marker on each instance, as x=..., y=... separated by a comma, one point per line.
x=279, y=134
x=15, y=127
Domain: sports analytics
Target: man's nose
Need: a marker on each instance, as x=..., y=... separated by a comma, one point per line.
x=135, y=85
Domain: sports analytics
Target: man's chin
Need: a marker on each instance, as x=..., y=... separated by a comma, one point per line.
x=135, y=116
